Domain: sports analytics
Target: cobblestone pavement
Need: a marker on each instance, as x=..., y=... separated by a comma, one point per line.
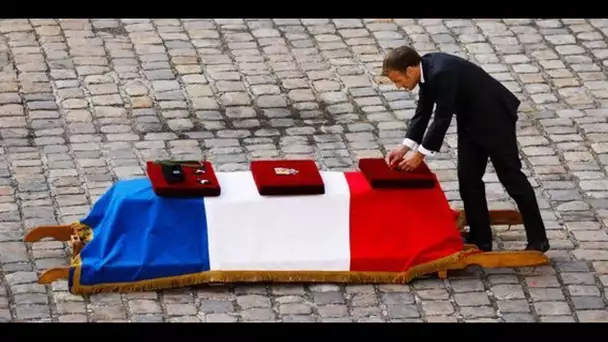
x=86, y=102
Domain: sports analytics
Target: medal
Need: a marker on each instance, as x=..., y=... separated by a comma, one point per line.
x=282, y=171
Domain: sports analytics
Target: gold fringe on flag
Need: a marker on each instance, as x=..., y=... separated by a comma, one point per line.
x=347, y=277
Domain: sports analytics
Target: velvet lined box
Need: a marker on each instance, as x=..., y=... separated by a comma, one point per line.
x=287, y=177
x=381, y=176
x=191, y=185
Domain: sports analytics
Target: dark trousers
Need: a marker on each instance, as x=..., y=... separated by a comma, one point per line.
x=472, y=162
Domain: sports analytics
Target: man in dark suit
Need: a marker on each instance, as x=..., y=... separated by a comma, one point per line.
x=486, y=116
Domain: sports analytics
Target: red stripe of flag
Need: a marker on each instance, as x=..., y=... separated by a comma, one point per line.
x=394, y=230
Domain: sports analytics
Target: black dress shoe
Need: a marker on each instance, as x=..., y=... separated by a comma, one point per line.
x=538, y=246
x=486, y=247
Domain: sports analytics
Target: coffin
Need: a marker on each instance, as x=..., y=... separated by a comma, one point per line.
x=351, y=233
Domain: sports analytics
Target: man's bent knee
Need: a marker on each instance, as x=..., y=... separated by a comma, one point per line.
x=515, y=182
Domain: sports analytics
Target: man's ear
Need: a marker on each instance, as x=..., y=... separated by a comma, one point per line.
x=412, y=71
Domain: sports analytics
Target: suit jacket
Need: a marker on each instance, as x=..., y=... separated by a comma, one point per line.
x=485, y=110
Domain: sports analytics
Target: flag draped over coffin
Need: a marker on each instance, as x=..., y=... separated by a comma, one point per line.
x=141, y=241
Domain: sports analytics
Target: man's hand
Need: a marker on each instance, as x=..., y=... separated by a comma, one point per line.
x=411, y=162
x=396, y=155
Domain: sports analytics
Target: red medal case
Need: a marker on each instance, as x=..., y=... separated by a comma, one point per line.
x=287, y=177
x=190, y=186
x=381, y=176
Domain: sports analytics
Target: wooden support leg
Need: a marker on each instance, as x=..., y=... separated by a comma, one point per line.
x=469, y=247
x=51, y=275
x=59, y=233
x=506, y=259
x=505, y=217
x=499, y=217
x=500, y=259
x=76, y=244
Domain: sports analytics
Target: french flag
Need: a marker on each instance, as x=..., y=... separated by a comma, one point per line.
x=138, y=235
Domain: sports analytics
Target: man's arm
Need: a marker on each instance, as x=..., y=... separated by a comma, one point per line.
x=446, y=83
x=420, y=120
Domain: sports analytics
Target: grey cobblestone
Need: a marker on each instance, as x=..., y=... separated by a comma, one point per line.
x=84, y=102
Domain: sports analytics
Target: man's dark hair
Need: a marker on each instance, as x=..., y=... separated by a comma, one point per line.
x=400, y=59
